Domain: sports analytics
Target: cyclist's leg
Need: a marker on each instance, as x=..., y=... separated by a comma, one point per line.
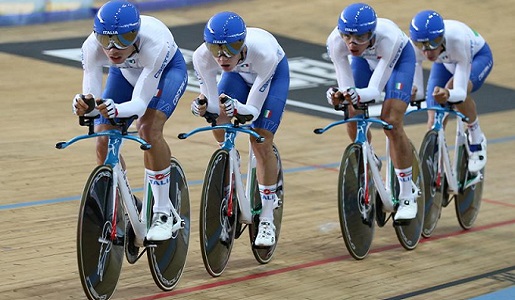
x=438, y=76
x=481, y=66
x=120, y=90
x=267, y=167
x=157, y=159
x=397, y=97
x=361, y=72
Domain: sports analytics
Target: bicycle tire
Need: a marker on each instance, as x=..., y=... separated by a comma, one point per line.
x=217, y=225
x=168, y=259
x=100, y=250
x=264, y=254
x=409, y=235
x=357, y=227
x=468, y=201
x=434, y=183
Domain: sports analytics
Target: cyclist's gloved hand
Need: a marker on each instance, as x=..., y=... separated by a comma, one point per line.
x=352, y=95
x=330, y=95
x=84, y=105
x=230, y=105
x=198, y=109
x=107, y=108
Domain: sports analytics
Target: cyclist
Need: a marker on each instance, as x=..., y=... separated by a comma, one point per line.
x=370, y=55
x=255, y=78
x=461, y=62
x=147, y=77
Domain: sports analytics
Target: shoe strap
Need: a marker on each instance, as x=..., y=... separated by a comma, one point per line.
x=475, y=147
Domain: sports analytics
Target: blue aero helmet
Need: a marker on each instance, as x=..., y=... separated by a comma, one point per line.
x=427, y=30
x=357, y=23
x=224, y=34
x=117, y=24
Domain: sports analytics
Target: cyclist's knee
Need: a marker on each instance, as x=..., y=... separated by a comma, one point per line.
x=150, y=132
x=101, y=149
x=265, y=148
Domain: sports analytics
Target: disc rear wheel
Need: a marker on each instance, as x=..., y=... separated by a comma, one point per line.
x=264, y=254
x=168, y=258
x=468, y=200
x=409, y=235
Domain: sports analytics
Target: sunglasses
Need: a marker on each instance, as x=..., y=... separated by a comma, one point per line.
x=429, y=45
x=359, y=39
x=119, y=41
x=228, y=50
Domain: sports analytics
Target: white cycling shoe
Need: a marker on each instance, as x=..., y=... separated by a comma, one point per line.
x=161, y=229
x=266, y=234
x=407, y=209
x=477, y=158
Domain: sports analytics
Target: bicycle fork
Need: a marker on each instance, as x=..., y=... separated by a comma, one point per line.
x=243, y=201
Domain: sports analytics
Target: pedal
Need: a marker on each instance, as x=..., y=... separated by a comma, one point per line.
x=151, y=244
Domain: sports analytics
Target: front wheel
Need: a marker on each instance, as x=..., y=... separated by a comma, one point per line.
x=355, y=203
x=264, y=254
x=168, y=258
x=468, y=200
x=100, y=236
x=409, y=234
x=435, y=180
x=218, y=214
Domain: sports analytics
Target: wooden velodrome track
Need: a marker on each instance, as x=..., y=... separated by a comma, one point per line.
x=40, y=186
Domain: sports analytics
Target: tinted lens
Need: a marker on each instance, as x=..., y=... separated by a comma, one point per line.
x=120, y=41
x=359, y=39
x=228, y=50
x=430, y=45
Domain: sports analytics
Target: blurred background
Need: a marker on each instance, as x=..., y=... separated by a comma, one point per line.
x=24, y=12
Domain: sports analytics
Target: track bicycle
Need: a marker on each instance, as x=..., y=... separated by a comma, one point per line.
x=227, y=206
x=447, y=178
x=113, y=222
x=364, y=198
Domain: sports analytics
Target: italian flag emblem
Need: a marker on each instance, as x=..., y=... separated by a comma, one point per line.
x=267, y=114
x=398, y=86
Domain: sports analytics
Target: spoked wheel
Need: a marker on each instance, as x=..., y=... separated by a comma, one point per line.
x=100, y=236
x=355, y=207
x=218, y=214
x=409, y=234
x=264, y=254
x=168, y=258
x=468, y=200
x=434, y=182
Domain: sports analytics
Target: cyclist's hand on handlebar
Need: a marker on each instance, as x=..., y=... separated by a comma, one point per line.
x=228, y=105
x=334, y=97
x=441, y=95
x=84, y=105
x=199, y=106
x=107, y=108
x=351, y=95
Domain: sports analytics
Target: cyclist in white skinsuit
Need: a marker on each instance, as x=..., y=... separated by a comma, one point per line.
x=381, y=58
x=255, y=77
x=461, y=62
x=147, y=76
